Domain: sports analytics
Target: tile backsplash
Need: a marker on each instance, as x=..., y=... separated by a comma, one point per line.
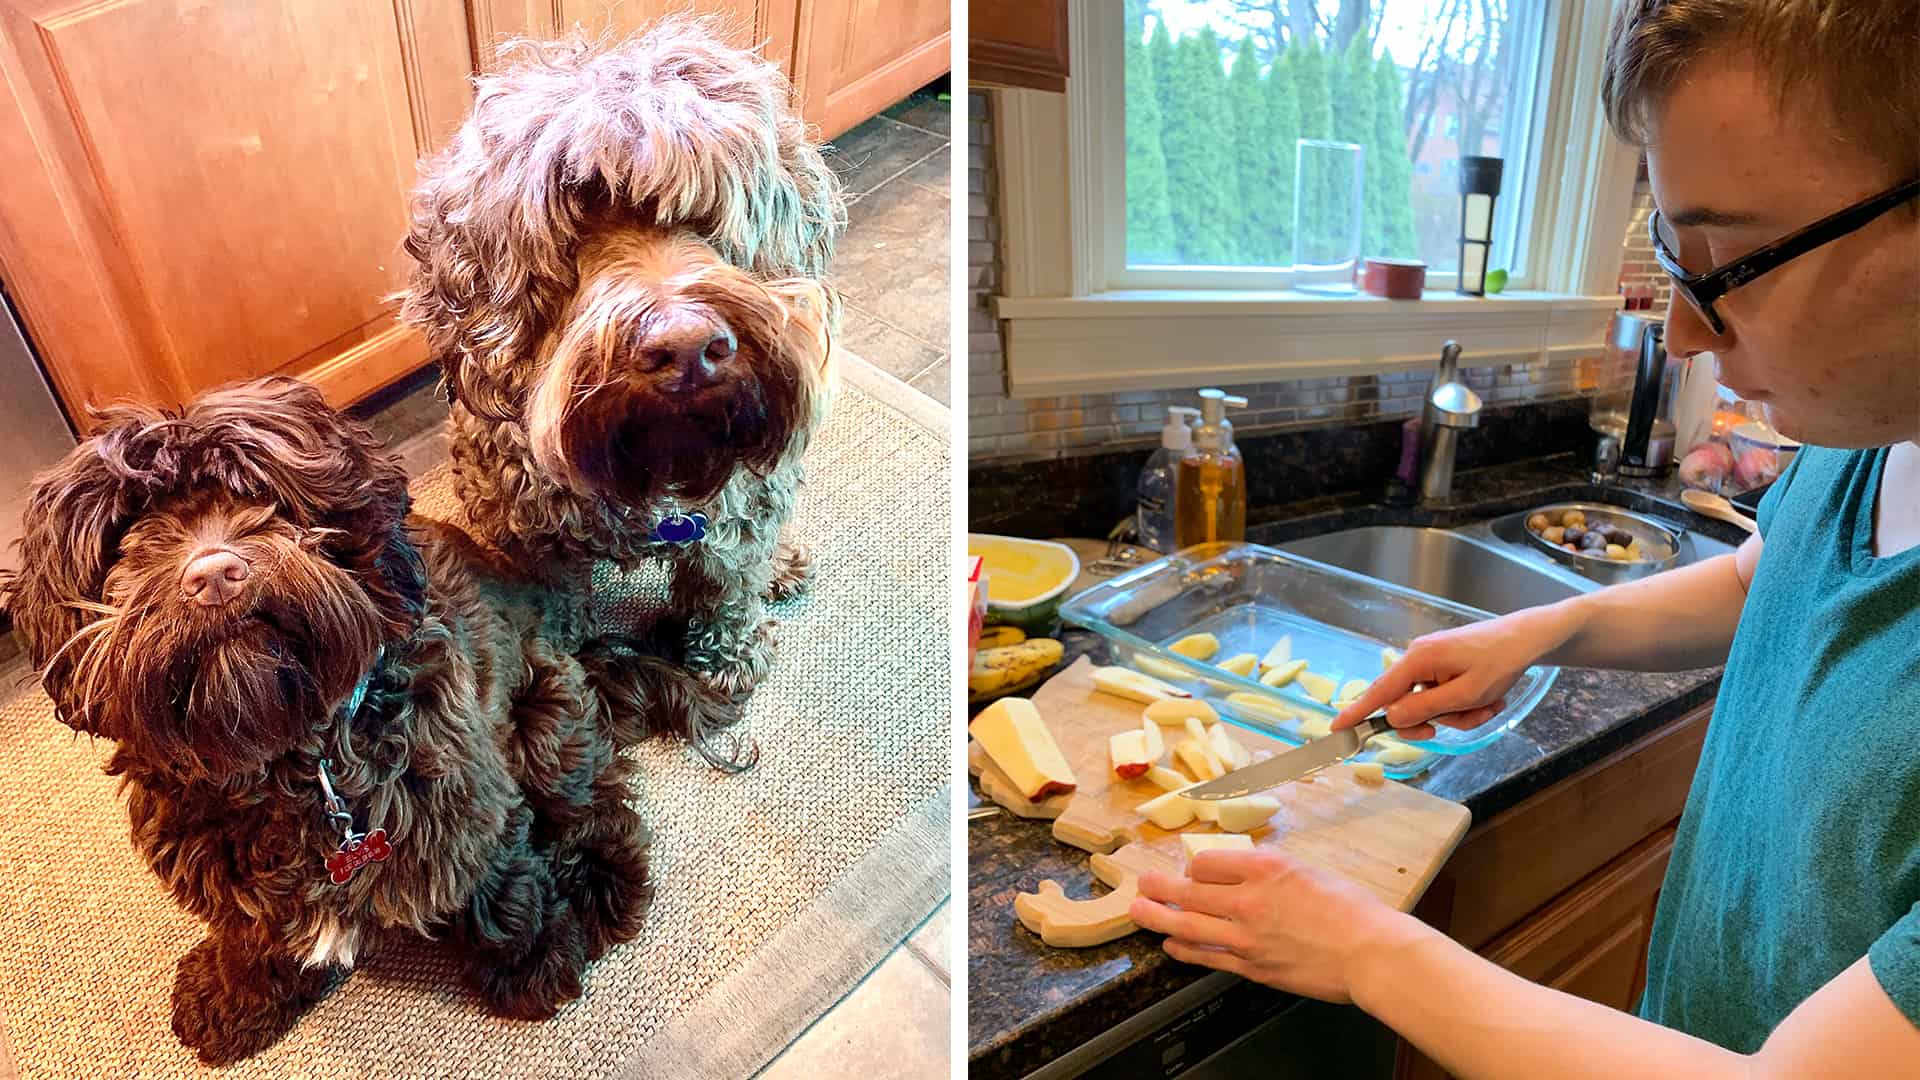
x=1004, y=429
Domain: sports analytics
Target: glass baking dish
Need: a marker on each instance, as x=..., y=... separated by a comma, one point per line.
x=1247, y=596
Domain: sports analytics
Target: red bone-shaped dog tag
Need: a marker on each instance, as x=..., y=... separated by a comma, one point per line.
x=356, y=852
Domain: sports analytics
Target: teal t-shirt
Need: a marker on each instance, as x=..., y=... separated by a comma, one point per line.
x=1799, y=850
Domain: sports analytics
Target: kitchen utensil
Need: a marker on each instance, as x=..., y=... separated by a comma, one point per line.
x=1390, y=838
x=1714, y=506
x=1660, y=544
x=1295, y=763
x=1640, y=417
x=1248, y=596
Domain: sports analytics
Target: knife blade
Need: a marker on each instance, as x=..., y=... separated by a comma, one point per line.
x=1294, y=763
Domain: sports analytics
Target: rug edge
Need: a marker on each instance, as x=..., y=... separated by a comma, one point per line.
x=704, y=1047
x=894, y=394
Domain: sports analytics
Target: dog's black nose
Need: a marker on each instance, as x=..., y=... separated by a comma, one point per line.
x=690, y=350
x=214, y=578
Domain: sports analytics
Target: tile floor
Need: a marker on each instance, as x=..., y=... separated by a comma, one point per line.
x=892, y=270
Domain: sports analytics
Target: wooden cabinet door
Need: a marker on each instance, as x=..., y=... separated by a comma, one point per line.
x=1591, y=941
x=747, y=23
x=856, y=57
x=1018, y=43
x=198, y=192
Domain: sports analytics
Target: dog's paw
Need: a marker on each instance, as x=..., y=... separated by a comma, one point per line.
x=792, y=571
x=225, y=1016
x=608, y=886
x=535, y=985
x=735, y=675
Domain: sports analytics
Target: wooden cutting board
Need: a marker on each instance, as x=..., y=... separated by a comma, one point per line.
x=1388, y=837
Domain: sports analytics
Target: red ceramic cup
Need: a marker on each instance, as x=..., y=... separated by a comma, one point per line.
x=1395, y=279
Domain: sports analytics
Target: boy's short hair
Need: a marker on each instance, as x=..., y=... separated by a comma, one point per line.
x=1860, y=59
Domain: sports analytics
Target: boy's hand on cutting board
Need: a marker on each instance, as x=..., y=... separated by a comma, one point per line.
x=1271, y=918
x=1464, y=674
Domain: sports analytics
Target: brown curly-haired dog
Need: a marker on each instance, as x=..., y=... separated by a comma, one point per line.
x=234, y=595
x=619, y=264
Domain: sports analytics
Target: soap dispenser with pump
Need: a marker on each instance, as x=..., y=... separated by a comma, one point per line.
x=1211, y=503
x=1155, y=514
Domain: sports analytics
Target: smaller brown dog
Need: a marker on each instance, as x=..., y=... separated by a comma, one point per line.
x=334, y=724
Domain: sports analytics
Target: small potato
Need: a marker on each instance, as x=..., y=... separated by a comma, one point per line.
x=1572, y=534
x=1619, y=536
x=1571, y=547
x=1593, y=540
x=1538, y=522
x=1554, y=534
x=1573, y=517
x=1615, y=551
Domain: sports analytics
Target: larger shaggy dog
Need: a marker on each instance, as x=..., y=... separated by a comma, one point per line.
x=333, y=723
x=618, y=267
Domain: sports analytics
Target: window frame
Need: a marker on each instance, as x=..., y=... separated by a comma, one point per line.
x=1070, y=329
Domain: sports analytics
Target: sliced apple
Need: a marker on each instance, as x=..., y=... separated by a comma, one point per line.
x=1013, y=735
x=1388, y=658
x=1391, y=751
x=1207, y=810
x=1161, y=669
x=1315, y=726
x=1133, y=685
x=1370, y=772
x=1128, y=751
x=1261, y=707
x=1227, y=747
x=1174, y=712
x=1318, y=687
x=1247, y=812
x=1197, y=646
x=1241, y=665
x=1195, y=843
x=1168, y=779
x=1282, y=674
x=1352, y=689
x=1169, y=811
x=1156, y=743
x=1280, y=654
x=1198, y=759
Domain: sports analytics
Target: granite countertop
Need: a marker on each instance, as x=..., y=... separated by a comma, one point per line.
x=1029, y=1003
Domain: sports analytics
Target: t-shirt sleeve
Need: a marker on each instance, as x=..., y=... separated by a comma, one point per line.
x=1895, y=959
x=1770, y=502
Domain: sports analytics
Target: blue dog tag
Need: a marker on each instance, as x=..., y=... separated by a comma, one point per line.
x=681, y=529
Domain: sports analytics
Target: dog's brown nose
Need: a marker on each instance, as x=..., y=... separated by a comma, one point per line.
x=214, y=578
x=690, y=349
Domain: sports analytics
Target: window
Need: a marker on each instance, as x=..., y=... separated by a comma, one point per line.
x=1267, y=141
x=1083, y=314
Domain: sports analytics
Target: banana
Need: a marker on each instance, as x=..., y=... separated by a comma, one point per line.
x=994, y=637
x=1007, y=668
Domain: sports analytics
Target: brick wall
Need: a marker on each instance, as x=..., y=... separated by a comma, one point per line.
x=1001, y=429
x=1637, y=267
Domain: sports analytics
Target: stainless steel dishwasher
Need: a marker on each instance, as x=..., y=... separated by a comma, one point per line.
x=1224, y=1027
x=33, y=431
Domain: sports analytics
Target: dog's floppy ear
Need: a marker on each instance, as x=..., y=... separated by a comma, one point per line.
x=76, y=513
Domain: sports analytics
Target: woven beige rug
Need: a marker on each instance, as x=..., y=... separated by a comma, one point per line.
x=778, y=889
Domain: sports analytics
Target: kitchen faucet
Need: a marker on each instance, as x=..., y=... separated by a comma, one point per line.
x=1451, y=407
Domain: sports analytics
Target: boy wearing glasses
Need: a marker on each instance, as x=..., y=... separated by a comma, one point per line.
x=1783, y=147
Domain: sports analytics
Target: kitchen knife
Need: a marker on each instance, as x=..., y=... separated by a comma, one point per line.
x=1294, y=763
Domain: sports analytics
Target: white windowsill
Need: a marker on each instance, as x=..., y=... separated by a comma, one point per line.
x=1167, y=339
x=1290, y=303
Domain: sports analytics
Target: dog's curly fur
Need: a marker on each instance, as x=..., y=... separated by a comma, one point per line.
x=596, y=196
x=488, y=752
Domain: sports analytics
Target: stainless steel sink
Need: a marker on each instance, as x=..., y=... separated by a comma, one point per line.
x=1488, y=565
x=1441, y=563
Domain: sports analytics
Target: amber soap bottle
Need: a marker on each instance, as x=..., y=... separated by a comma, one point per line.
x=1212, y=504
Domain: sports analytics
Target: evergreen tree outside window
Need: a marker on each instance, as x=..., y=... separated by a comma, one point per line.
x=1223, y=89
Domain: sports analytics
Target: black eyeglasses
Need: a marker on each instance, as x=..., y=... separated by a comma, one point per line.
x=1701, y=290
